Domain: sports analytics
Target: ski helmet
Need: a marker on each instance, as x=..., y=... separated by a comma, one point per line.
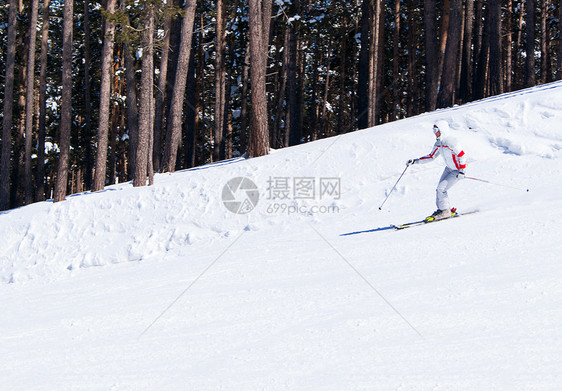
x=441, y=126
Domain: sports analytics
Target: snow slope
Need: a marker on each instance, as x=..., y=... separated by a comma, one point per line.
x=164, y=288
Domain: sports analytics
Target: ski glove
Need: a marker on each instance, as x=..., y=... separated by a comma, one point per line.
x=460, y=175
x=412, y=161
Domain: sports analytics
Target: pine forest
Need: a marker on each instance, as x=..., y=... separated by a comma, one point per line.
x=102, y=92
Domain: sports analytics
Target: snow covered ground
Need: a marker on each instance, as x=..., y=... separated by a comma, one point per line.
x=164, y=288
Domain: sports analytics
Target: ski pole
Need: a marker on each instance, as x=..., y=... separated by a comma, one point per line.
x=497, y=184
x=394, y=187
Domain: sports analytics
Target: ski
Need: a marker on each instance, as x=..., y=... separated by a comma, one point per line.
x=425, y=221
x=407, y=225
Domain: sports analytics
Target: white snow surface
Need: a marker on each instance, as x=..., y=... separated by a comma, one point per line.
x=163, y=288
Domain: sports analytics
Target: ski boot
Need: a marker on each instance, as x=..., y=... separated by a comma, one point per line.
x=441, y=214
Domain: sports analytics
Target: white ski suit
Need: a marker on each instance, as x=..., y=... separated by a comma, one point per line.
x=455, y=161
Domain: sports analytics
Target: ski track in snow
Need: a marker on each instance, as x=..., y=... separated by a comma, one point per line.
x=163, y=288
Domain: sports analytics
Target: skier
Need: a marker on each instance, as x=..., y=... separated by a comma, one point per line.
x=455, y=161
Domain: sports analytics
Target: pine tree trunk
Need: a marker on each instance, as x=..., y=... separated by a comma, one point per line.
x=446, y=97
x=509, y=48
x=150, y=159
x=395, y=63
x=226, y=148
x=480, y=79
x=105, y=94
x=363, y=76
x=518, y=73
x=530, y=44
x=260, y=16
x=477, y=40
x=559, y=59
x=413, y=43
x=30, y=103
x=325, y=97
x=173, y=56
x=465, y=90
x=375, y=61
x=313, y=107
x=281, y=94
x=161, y=96
x=18, y=171
x=496, y=74
x=244, y=129
x=191, y=117
x=431, y=55
x=343, y=102
x=87, y=99
x=132, y=108
x=66, y=102
x=544, y=71
x=174, y=130
x=40, y=175
x=8, y=108
x=145, y=108
x=292, y=125
x=220, y=84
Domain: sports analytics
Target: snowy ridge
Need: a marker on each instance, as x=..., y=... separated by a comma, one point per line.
x=163, y=288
